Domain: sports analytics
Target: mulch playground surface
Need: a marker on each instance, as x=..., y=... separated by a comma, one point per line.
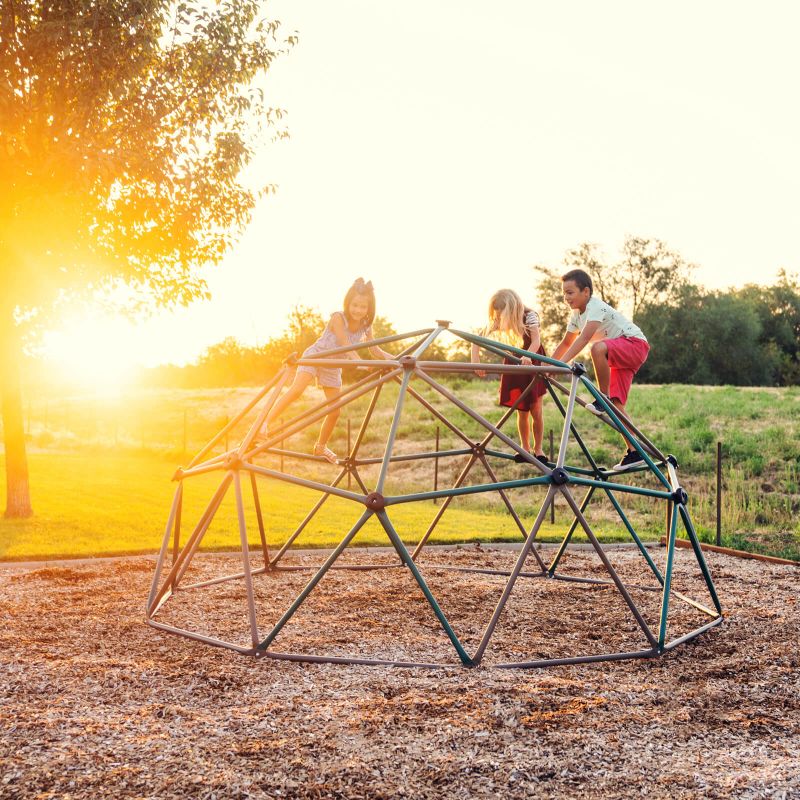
x=95, y=703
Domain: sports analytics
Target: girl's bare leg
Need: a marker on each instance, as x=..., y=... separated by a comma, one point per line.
x=538, y=425
x=330, y=421
x=524, y=429
x=300, y=384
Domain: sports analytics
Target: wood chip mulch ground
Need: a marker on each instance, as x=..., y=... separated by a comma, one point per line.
x=95, y=703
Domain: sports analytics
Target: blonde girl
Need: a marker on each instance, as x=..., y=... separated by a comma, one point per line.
x=509, y=315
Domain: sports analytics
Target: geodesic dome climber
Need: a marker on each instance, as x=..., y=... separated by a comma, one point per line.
x=271, y=594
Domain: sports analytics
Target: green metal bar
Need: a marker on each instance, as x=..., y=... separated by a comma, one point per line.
x=405, y=557
x=563, y=547
x=482, y=340
x=636, y=539
x=598, y=395
x=543, y=480
x=309, y=587
x=622, y=487
x=698, y=551
x=662, y=627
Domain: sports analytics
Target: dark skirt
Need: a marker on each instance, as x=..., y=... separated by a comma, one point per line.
x=512, y=386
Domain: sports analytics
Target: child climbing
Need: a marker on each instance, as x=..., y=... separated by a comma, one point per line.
x=508, y=314
x=347, y=327
x=619, y=348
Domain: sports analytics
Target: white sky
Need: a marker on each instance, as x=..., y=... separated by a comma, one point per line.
x=443, y=147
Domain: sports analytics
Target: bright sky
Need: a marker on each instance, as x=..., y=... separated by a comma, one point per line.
x=443, y=147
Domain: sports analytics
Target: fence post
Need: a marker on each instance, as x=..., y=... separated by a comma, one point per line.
x=553, y=501
x=436, y=467
x=719, y=493
x=349, y=446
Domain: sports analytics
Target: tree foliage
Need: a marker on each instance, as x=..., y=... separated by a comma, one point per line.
x=706, y=338
x=124, y=128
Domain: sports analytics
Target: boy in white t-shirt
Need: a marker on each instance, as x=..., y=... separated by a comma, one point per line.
x=619, y=348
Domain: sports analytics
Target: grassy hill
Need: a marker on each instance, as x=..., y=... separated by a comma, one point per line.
x=101, y=468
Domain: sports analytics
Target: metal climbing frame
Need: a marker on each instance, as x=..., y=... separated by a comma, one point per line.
x=238, y=465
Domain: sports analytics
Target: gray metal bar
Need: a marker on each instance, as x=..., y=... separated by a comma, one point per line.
x=307, y=418
x=523, y=555
x=395, y=337
x=611, y=571
x=235, y=421
x=483, y=421
x=512, y=510
x=261, y=531
x=320, y=487
x=361, y=462
x=398, y=410
x=164, y=545
x=198, y=637
x=565, y=541
x=176, y=573
x=362, y=662
x=259, y=420
x=248, y=580
x=692, y=634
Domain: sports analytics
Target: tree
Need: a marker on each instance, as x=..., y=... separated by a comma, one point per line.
x=778, y=308
x=124, y=127
x=551, y=307
x=706, y=338
x=649, y=272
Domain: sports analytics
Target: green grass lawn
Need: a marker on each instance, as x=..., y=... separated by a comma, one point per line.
x=101, y=470
x=104, y=504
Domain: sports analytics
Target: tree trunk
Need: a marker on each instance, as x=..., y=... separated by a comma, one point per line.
x=18, y=497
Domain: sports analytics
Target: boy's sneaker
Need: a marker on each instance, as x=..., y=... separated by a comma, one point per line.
x=595, y=408
x=632, y=458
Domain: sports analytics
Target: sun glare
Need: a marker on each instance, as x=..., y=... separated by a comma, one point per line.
x=95, y=355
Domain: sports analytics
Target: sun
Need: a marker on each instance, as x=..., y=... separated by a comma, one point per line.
x=94, y=354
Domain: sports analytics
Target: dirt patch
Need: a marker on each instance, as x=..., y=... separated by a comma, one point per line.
x=95, y=703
